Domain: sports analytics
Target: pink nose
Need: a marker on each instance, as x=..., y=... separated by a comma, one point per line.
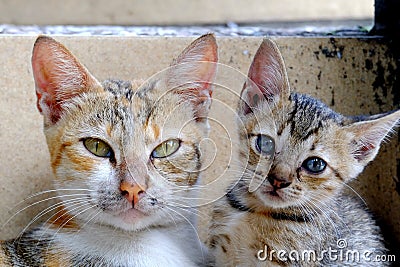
x=131, y=191
x=278, y=183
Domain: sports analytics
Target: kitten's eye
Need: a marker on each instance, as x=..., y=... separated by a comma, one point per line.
x=166, y=148
x=265, y=145
x=314, y=165
x=98, y=147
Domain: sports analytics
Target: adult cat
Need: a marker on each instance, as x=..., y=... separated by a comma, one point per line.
x=126, y=160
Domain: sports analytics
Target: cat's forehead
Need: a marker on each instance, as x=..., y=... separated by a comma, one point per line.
x=309, y=115
x=131, y=96
x=297, y=118
x=122, y=90
x=140, y=106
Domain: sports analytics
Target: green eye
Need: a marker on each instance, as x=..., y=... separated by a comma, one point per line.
x=166, y=148
x=265, y=145
x=98, y=147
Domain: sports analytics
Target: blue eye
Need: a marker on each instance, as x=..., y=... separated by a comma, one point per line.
x=314, y=165
x=265, y=145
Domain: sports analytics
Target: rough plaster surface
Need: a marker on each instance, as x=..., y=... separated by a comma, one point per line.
x=173, y=12
x=354, y=76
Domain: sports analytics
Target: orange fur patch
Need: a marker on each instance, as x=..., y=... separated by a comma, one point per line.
x=109, y=128
x=55, y=259
x=156, y=131
x=63, y=220
x=84, y=164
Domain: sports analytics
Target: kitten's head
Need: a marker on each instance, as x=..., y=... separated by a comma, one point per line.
x=125, y=154
x=298, y=151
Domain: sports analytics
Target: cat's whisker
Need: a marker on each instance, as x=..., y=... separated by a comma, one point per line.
x=48, y=210
x=91, y=217
x=315, y=204
x=68, y=220
x=36, y=203
x=194, y=229
x=169, y=214
x=355, y=192
x=313, y=198
x=314, y=220
x=190, y=210
x=48, y=192
x=79, y=204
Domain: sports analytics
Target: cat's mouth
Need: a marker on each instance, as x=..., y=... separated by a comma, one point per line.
x=274, y=195
x=131, y=215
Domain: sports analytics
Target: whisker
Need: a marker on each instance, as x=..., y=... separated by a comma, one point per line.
x=193, y=227
x=38, y=202
x=46, y=211
x=67, y=221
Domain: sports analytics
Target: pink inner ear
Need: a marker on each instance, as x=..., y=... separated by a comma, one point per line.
x=267, y=77
x=42, y=65
x=363, y=151
x=193, y=73
x=58, y=76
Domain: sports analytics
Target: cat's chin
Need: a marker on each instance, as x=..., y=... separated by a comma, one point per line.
x=273, y=199
x=128, y=220
x=131, y=216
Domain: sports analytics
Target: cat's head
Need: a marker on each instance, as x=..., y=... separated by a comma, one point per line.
x=298, y=151
x=125, y=154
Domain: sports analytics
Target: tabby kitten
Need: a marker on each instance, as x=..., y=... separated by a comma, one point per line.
x=126, y=161
x=289, y=204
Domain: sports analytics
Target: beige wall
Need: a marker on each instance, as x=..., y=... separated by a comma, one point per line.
x=352, y=75
x=155, y=12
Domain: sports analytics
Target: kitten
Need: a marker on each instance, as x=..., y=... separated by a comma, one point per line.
x=297, y=156
x=126, y=162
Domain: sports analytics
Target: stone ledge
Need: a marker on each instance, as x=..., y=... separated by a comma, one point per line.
x=339, y=28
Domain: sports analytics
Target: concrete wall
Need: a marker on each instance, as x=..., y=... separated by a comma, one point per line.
x=352, y=75
x=155, y=12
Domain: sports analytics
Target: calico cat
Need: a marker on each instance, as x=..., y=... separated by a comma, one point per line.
x=289, y=207
x=126, y=160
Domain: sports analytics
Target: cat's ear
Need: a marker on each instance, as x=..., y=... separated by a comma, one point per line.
x=192, y=73
x=267, y=78
x=368, y=135
x=58, y=77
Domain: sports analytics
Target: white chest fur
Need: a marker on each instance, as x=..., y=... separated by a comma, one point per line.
x=178, y=246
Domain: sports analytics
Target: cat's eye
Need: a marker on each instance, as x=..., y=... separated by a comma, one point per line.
x=166, y=148
x=265, y=145
x=314, y=165
x=98, y=147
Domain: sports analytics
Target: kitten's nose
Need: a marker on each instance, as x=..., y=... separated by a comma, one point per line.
x=131, y=191
x=278, y=183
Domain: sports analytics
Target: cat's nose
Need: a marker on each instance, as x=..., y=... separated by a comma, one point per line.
x=131, y=191
x=278, y=183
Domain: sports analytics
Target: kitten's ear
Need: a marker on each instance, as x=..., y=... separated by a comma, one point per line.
x=267, y=78
x=369, y=134
x=58, y=77
x=192, y=73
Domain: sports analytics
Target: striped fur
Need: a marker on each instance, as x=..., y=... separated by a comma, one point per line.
x=125, y=207
x=312, y=211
